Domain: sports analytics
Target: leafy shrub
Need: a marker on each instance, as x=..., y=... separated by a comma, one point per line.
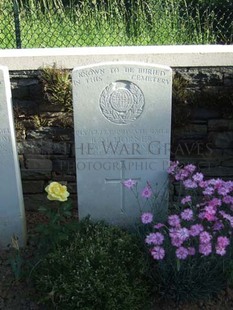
x=102, y=268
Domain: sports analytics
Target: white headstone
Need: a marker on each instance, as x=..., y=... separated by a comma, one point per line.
x=12, y=216
x=122, y=119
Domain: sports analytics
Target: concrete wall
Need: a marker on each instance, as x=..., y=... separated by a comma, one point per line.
x=173, y=56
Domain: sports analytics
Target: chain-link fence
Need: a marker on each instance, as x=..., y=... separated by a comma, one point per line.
x=50, y=23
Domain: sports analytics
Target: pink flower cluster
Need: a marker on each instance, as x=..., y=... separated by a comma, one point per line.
x=203, y=225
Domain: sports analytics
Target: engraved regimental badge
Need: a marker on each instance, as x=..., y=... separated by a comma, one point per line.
x=122, y=102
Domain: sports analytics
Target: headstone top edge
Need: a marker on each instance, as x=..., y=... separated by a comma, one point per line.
x=114, y=63
x=3, y=68
x=5, y=76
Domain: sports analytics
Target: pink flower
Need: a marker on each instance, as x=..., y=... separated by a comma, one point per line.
x=228, y=199
x=205, y=248
x=173, y=166
x=201, y=215
x=215, y=202
x=208, y=191
x=229, y=185
x=195, y=230
x=181, y=175
x=227, y=216
x=220, y=250
x=176, y=240
x=203, y=184
x=155, y=238
x=183, y=233
x=158, y=252
x=210, y=209
x=147, y=192
x=216, y=182
x=185, y=200
x=182, y=253
x=147, y=218
x=210, y=212
x=158, y=226
x=178, y=236
x=198, y=177
x=218, y=226
x=223, y=191
x=129, y=183
x=191, y=251
x=174, y=220
x=205, y=237
x=209, y=217
x=187, y=215
x=190, y=183
x=190, y=168
x=223, y=241
x=230, y=219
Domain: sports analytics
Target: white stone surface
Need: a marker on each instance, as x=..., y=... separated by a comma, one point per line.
x=170, y=55
x=12, y=216
x=122, y=119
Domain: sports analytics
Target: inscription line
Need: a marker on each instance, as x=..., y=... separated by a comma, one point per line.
x=120, y=158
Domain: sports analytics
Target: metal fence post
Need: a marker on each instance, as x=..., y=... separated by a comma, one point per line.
x=17, y=24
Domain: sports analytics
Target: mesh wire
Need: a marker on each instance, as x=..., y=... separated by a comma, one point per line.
x=140, y=23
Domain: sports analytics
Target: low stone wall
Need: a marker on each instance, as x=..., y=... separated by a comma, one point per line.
x=202, y=129
x=206, y=136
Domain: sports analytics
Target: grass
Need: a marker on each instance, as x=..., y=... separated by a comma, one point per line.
x=51, y=24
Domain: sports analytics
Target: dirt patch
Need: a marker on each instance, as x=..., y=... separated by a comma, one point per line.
x=17, y=294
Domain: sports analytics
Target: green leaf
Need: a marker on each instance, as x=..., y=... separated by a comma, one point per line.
x=42, y=209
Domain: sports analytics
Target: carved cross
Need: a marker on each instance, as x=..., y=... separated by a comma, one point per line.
x=120, y=181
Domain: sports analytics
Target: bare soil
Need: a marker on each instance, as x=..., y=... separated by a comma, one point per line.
x=20, y=295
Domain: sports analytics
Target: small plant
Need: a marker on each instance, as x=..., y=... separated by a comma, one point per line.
x=57, y=87
x=16, y=259
x=102, y=268
x=57, y=92
x=191, y=250
x=54, y=231
x=39, y=122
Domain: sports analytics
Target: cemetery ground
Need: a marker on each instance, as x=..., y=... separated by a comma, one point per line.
x=21, y=295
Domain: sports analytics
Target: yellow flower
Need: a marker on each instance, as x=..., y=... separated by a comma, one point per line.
x=56, y=191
